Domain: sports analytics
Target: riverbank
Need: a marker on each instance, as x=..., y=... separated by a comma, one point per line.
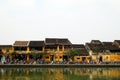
x=57, y=65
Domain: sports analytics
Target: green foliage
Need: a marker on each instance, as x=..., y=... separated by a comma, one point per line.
x=13, y=55
x=33, y=54
x=73, y=52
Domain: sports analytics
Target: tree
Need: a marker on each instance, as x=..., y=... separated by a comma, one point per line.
x=72, y=53
x=32, y=55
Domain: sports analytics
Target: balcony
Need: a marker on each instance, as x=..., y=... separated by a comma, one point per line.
x=35, y=51
x=21, y=52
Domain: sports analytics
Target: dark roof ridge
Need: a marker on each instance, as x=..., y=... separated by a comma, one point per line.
x=36, y=40
x=36, y=43
x=5, y=45
x=56, y=38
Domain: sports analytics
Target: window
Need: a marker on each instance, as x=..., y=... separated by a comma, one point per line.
x=78, y=58
x=20, y=48
x=60, y=57
x=47, y=57
x=36, y=48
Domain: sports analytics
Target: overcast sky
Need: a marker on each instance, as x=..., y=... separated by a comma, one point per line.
x=79, y=20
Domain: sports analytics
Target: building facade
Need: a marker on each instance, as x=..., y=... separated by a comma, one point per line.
x=61, y=49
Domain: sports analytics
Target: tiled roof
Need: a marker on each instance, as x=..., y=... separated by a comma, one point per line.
x=2, y=46
x=96, y=47
x=110, y=46
x=118, y=41
x=107, y=43
x=50, y=46
x=58, y=41
x=78, y=46
x=36, y=43
x=82, y=52
x=95, y=41
x=21, y=43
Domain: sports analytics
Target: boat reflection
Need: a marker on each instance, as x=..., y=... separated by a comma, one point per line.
x=59, y=73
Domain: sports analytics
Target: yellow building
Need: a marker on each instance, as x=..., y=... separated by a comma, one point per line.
x=81, y=54
x=36, y=49
x=113, y=51
x=103, y=51
x=96, y=50
x=59, y=49
x=56, y=48
x=21, y=49
x=5, y=50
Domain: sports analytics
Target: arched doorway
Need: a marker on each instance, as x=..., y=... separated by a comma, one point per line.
x=51, y=57
x=83, y=59
x=100, y=59
x=65, y=58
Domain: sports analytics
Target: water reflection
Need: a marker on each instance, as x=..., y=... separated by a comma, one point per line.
x=59, y=73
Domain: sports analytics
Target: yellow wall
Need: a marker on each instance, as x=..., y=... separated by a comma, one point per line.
x=77, y=59
x=63, y=49
x=114, y=57
x=5, y=50
x=28, y=49
x=94, y=58
x=58, y=48
x=43, y=49
x=106, y=58
x=47, y=58
x=58, y=57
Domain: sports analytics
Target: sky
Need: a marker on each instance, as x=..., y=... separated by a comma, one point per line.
x=78, y=20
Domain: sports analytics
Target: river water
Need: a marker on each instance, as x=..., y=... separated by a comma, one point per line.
x=59, y=73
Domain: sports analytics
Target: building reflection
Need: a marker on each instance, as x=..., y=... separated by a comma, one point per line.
x=58, y=73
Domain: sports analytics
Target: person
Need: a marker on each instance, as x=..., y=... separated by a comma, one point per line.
x=3, y=60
